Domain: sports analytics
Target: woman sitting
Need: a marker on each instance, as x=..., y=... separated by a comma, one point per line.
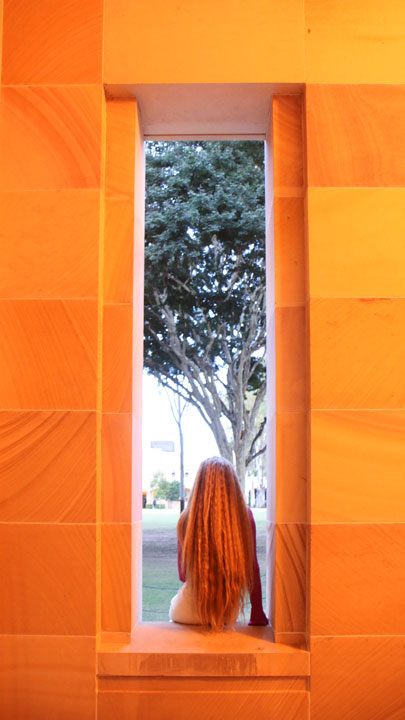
x=217, y=559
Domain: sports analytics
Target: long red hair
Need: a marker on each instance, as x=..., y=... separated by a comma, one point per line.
x=215, y=535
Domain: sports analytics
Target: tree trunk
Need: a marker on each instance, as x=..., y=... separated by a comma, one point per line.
x=240, y=465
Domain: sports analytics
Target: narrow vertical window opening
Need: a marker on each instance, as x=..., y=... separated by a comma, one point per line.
x=205, y=340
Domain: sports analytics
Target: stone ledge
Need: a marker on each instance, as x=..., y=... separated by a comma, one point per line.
x=170, y=649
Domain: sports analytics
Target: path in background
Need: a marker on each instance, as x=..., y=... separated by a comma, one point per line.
x=159, y=561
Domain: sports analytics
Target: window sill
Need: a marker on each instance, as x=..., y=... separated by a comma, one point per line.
x=170, y=649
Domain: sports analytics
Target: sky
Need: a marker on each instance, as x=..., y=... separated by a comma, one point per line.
x=158, y=424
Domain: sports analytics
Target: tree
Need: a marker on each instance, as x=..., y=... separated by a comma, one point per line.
x=164, y=489
x=205, y=284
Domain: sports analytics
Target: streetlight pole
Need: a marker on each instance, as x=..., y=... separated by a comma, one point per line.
x=181, y=466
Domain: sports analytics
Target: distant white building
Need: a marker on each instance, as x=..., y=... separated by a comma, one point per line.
x=256, y=482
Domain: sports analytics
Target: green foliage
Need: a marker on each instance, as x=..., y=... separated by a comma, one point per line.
x=165, y=490
x=204, y=248
x=173, y=490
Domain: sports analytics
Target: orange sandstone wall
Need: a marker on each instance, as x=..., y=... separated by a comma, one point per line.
x=355, y=102
x=50, y=196
x=356, y=223
x=67, y=324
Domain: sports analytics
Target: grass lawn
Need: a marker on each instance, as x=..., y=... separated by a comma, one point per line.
x=159, y=561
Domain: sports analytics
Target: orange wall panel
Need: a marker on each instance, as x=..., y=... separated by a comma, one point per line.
x=49, y=573
x=357, y=352
x=116, y=576
x=354, y=42
x=356, y=135
x=47, y=466
x=357, y=579
x=287, y=143
x=357, y=678
x=45, y=676
x=52, y=43
x=121, y=118
x=50, y=137
x=49, y=359
x=289, y=260
x=136, y=560
x=202, y=705
x=357, y=466
x=117, y=358
x=230, y=41
x=291, y=467
x=290, y=577
x=290, y=352
x=116, y=439
x=49, y=244
x=356, y=242
x=118, y=250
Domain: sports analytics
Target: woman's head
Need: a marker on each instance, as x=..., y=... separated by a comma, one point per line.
x=217, y=543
